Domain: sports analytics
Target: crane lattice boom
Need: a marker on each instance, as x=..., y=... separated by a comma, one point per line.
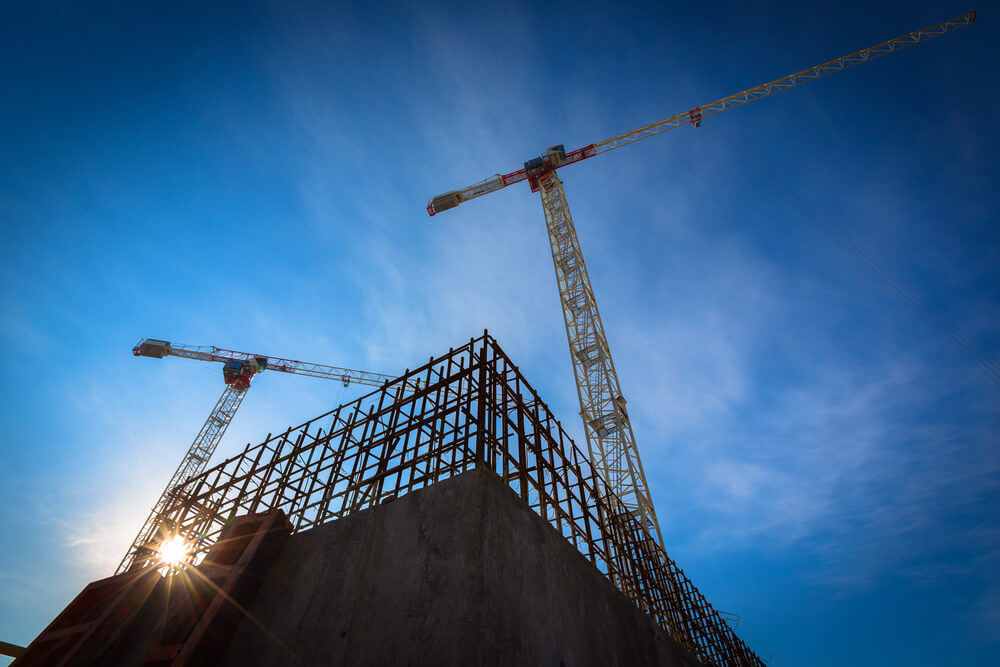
x=602, y=405
x=149, y=347
x=697, y=114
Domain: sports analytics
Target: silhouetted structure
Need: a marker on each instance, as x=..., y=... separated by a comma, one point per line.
x=474, y=411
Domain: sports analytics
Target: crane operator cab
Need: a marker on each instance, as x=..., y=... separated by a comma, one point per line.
x=238, y=373
x=553, y=158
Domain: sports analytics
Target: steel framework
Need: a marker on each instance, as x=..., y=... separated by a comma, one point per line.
x=474, y=409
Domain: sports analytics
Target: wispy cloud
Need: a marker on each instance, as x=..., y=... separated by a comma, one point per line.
x=854, y=466
x=753, y=417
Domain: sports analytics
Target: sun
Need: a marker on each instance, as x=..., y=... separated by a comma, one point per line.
x=173, y=554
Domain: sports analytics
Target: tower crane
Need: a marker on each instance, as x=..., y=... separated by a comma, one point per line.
x=608, y=430
x=238, y=369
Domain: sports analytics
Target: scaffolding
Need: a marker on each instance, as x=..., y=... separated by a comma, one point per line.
x=474, y=409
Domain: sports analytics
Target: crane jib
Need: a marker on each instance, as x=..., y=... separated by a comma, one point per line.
x=693, y=117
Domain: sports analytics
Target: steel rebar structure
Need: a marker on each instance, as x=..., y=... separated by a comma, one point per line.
x=474, y=409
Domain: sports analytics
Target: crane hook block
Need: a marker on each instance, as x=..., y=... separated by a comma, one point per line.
x=695, y=116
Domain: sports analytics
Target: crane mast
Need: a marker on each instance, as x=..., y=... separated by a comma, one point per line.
x=238, y=369
x=194, y=462
x=610, y=440
x=602, y=406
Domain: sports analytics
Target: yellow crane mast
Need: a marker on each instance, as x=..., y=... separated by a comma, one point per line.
x=608, y=430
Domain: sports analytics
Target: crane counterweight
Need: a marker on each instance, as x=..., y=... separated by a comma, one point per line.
x=444, y=202
x=149, y=347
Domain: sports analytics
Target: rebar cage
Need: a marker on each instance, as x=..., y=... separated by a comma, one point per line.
x=474, y=408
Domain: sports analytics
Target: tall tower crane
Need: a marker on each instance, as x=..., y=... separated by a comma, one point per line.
x=238, y=370
x=606, y=423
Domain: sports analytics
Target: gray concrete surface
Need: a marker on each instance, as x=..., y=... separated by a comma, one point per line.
x=460, y=573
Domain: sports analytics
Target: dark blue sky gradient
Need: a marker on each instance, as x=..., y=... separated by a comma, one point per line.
x=254, y=176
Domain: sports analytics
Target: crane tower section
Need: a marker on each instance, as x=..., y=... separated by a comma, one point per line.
x=194, y=463
x=602, y=406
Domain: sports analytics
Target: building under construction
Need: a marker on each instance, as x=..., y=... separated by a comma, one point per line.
x=443, y=519
x=454, y=524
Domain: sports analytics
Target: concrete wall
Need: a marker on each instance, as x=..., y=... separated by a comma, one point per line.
x=460, y=573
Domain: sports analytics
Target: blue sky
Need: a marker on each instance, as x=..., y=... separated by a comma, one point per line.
x=824, y=464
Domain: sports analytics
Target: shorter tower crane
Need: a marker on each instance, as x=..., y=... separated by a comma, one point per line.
x=238, y=369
